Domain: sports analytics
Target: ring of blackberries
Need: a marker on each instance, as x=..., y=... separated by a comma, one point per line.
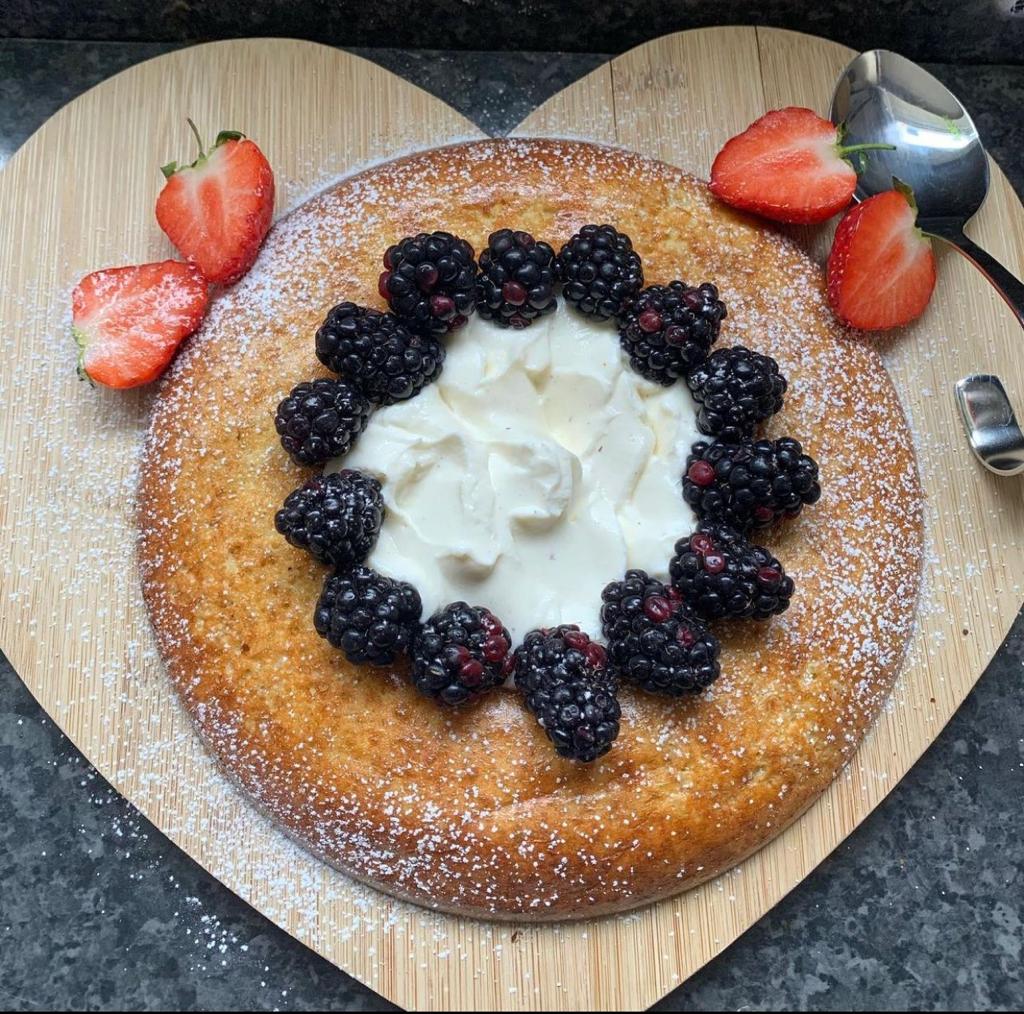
x=658, y=635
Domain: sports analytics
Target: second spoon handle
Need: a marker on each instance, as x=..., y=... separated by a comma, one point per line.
x=1006, y=283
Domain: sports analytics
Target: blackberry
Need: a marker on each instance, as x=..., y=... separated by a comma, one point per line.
x=654, y=640
x=334, y=517
x=377, y=353
x=429, y=282
x=321, y=419
x=371, y=618
x=720, y=574
x=600, y=271
x=668, y=329
x=736, y=389
x=750, y=484
x=459, y=653
x=569, y=691
x=517, y=279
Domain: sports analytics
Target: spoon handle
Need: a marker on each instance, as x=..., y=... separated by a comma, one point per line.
x=994, y=434
x=1006, y=283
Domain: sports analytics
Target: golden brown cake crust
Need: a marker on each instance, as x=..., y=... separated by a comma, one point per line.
x=472, y=810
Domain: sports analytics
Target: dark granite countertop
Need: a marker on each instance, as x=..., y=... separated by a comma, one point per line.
x=921, y=908
x=957, y=31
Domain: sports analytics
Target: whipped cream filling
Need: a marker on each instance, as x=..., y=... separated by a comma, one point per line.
x=538, y=468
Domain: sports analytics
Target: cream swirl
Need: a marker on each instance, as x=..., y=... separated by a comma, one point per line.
x=535, y=470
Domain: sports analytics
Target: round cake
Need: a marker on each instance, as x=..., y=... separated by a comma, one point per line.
x=469, y=809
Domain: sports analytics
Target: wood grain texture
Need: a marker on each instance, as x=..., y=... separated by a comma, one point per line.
x=72, y=622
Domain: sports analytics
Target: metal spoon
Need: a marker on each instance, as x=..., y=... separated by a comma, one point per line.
x=882, y=96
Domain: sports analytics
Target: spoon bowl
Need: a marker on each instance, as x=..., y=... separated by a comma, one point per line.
x=885, y=97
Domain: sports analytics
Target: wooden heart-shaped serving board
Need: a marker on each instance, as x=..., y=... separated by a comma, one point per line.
x=80, y=195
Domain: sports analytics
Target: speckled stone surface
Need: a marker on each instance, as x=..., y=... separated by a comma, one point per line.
x=922, y=908
x=985, y=31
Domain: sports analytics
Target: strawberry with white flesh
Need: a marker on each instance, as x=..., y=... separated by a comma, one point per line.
x=881, y=271
x=217, y=210
x=789, y=166
x=128, y=322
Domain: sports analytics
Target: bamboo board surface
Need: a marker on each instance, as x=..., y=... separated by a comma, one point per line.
x=72, y=622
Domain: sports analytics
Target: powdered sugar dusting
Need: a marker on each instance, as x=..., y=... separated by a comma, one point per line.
x=470, y=810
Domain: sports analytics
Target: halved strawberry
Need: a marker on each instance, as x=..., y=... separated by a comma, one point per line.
x=881, y=271
x=789, y=166
x=217, y=210
x=128, y=322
